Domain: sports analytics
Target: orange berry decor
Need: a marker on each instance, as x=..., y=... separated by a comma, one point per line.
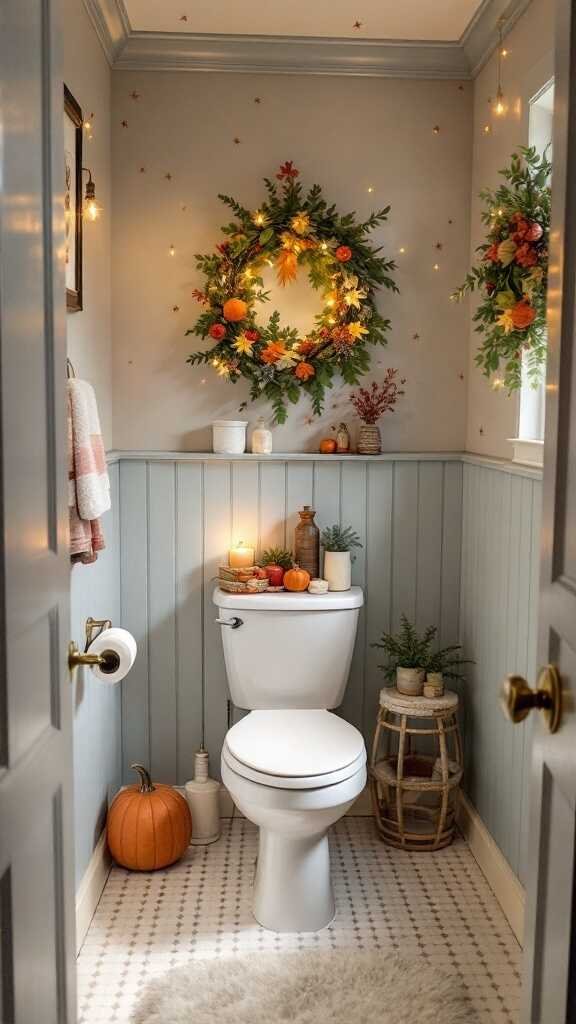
x=296, y=579
x=235, y=310
x=149, y=826
x=293, y=230
x=343, y=253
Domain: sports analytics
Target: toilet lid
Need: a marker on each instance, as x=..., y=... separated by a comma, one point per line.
x=295, y=743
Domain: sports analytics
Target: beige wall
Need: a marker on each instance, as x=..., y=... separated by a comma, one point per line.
x=87, y=75
x=346, y=134
x=493, y=415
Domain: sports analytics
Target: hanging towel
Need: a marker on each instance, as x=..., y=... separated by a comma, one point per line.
x=88, y=482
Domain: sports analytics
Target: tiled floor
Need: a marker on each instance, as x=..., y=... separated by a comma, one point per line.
x=434, y=906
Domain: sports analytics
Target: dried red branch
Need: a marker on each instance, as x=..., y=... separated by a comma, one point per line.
x=371, y=403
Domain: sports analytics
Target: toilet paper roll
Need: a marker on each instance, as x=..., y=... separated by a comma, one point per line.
x=121, y=643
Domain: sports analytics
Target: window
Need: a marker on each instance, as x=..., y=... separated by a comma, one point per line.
x=528, y=446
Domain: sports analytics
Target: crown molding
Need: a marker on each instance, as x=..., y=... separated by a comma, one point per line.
x=308, y=55
x=131, y=50
x=481, y=37
x=111, y=24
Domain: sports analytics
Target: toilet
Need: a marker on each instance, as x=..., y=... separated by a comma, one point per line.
x=291, y=765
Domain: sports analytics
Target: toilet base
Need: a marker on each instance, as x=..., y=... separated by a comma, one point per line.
x=292, y=886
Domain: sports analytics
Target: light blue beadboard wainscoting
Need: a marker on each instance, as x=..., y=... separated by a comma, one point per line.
x=179, y=514
x=95, y=590
x=498, y=628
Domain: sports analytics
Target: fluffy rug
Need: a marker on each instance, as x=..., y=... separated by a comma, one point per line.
x=305, y=988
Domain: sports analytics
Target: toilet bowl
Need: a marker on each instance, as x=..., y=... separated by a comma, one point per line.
x=294, y=773
x=291, y=765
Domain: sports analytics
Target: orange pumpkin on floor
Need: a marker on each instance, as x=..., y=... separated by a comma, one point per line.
x=296, y=579
x=149, y=826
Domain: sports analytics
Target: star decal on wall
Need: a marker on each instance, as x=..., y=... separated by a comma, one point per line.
x=124, y=124
x=236, y=141
x=183, y=17
x=450, y=221
x=175, y=309
x=439, y=246
x=142, y=170
x=257, y=99
x=168, y=176
x=357, y=25
x=134, y=95
x=416, y=336
x=436, y=129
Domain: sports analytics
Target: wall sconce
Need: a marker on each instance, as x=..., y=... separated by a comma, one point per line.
x=91, y=209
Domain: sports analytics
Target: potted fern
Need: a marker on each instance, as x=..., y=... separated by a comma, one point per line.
x=338, y=542
x=410, y=657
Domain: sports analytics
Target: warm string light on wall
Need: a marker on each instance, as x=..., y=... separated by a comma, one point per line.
x=91, y=208
x=500, y=105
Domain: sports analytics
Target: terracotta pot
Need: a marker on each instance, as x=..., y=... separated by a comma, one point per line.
x=369, y=440
x=410, y=681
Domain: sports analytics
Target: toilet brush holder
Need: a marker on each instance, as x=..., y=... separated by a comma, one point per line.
x=203, y=796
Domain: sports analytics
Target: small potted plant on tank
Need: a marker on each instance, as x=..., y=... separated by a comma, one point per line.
x=338, y=542
x=275, y=562
x=409, y=657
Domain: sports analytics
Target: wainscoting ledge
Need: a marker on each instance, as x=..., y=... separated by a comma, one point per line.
x=503, y=465
x=159, y=456
x=504, y=884
x=91, y=887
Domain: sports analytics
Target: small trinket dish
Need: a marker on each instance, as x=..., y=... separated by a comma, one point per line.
x=318, y=586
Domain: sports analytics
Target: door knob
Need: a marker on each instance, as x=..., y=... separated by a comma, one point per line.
x=518, y=698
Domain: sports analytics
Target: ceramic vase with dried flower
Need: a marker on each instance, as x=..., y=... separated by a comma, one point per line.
x=370, y=404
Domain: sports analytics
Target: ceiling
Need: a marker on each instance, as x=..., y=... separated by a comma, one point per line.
x=425, y=20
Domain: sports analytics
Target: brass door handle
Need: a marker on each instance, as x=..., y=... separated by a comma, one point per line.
x=518, y=698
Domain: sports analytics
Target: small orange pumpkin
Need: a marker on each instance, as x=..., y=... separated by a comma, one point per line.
x=327, y=446
x=296, y=579
x=149, y=826
x=235, y=310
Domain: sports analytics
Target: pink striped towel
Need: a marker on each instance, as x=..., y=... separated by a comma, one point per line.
x=88, y=482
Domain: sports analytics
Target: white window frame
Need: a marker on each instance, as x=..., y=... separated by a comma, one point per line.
x=528, y=446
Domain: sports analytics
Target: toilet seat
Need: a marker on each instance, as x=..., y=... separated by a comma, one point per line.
x=294, y=749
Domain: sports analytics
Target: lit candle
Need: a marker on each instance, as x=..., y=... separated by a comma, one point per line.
x=241, y=556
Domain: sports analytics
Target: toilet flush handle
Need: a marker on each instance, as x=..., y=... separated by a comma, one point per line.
x=234, y=622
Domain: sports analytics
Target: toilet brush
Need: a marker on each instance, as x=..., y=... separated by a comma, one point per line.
x=203, y=796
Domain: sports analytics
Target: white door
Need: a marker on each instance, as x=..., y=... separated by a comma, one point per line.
x=550, y=961
x=36, y=856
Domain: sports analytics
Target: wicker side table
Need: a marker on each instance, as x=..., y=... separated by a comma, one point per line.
x=416, y=769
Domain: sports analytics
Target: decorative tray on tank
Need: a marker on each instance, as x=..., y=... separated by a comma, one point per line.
x=240, y=581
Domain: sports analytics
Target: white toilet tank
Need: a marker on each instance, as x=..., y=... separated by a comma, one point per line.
x=291, y=650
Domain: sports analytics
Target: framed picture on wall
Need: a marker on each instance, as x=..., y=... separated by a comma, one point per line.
x=73, y=200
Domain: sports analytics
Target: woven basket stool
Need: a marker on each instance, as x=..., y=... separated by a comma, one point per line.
x=416, y=769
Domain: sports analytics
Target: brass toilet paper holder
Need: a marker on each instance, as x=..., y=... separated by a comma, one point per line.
x=108, y=661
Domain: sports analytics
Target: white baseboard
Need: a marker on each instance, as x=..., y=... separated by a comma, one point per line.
x=90, y=889
x=506, y=887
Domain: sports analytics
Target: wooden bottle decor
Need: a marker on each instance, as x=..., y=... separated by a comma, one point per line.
x=149, y=826
x=307, y=543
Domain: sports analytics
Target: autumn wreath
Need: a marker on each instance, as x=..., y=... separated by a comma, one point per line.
x=513, y=271
x=290, y=230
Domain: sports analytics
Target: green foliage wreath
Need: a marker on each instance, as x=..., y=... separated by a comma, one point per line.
x=512, y=273
x=292, y=230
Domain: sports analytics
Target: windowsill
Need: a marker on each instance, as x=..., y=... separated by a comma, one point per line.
x=527, y=452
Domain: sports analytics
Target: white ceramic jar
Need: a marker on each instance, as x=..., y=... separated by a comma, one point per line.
x=338, y=570
x=229, y=437
x=261, y=438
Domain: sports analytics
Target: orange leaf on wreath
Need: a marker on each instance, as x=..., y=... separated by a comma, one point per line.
x=273, y=352
x=286, y=267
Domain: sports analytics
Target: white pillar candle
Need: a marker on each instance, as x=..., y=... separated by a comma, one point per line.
x=241, y=556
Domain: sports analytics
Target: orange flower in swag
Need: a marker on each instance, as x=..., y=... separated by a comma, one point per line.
x=304, y=371
x=522, y=315
x=273, y=352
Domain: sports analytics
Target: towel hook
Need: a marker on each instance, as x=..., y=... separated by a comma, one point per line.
x=70, y=371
